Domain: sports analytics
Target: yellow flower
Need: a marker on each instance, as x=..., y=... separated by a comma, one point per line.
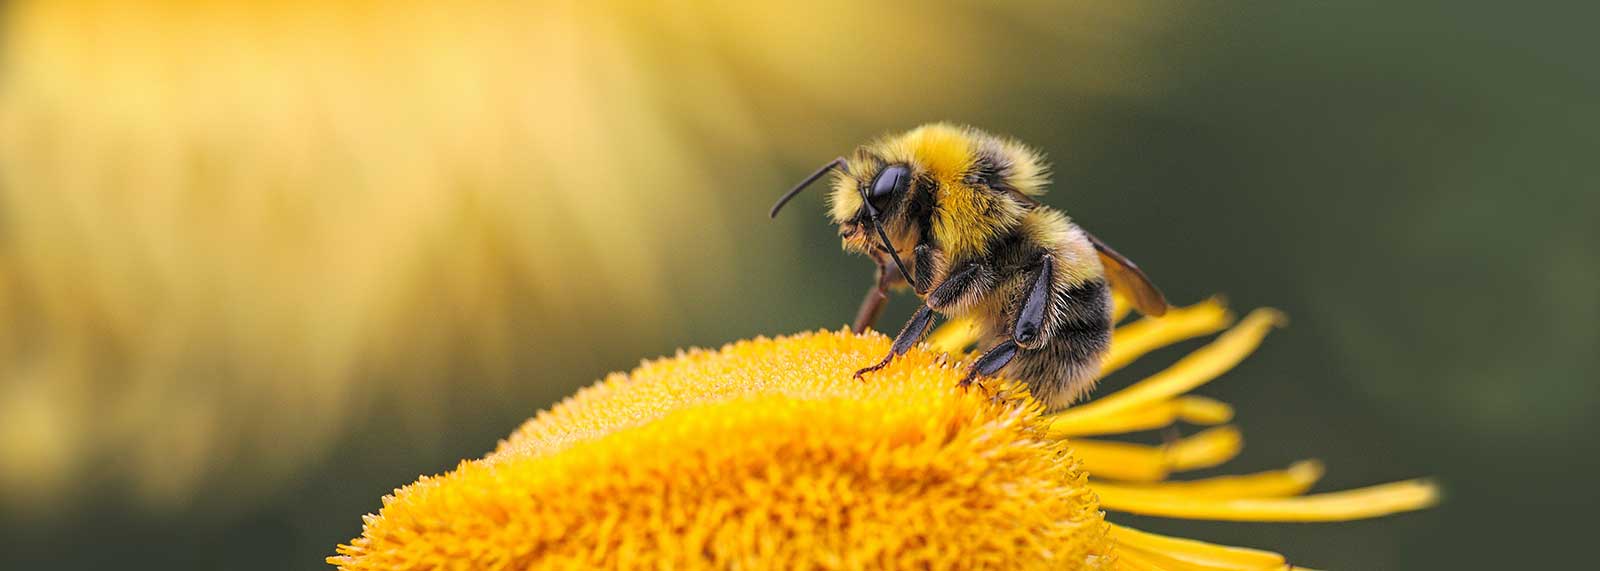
x=767, y=454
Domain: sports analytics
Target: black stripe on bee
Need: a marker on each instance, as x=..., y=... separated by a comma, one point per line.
x=1086, y=306
x=993, y=169
x=987, y=170
x=1080, y=345
x=1077, y=340
x=920, y=203
x=1012, y=244
x=1060, y=370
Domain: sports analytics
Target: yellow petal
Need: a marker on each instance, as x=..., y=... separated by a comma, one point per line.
x=954, y=336
x=1142, y=463
x=1189, y=408
x=1131, y=341
x=1275, y=483
x=1196, y=369
x=1119, y=306
x=1136, y=561
x=1202, y=410
x=1174, y=553
x=1372, y=501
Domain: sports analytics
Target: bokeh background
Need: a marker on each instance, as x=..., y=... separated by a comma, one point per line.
x=260, y=263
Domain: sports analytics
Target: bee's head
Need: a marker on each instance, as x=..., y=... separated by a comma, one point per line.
x=876, y=204
x=889, y=193
x=871, y=193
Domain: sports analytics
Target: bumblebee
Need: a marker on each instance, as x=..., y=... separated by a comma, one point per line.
x=955, y=212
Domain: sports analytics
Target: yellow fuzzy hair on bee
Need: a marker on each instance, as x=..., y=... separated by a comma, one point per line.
x=953, y=211
x=945, y=154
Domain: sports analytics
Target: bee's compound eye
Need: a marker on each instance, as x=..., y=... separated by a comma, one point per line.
x=890, y=180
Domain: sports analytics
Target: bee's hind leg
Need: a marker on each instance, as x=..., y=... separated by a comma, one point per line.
x=908, y=337
x=1028, y=330
x=991, y=362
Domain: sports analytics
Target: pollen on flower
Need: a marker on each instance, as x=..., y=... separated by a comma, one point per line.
x=767, y=453
x=764, y=454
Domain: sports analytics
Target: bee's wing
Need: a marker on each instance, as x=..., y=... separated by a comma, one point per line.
x=1126, y=276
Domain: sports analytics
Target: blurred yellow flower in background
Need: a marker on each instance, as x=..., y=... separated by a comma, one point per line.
x=767, y=454
x=230, y=228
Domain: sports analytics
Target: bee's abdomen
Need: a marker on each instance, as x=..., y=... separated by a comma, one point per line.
x=1066, y=365
x=1085, y=305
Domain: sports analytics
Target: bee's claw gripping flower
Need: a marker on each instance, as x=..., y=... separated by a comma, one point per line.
x=766, y=454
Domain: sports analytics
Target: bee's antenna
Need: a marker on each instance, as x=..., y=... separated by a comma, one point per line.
x=899, y=265
x=782, y=200
x=887, y=245
x=839, y=163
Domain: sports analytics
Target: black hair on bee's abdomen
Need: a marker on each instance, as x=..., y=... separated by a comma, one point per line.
x=1066, y=366
x=1085, y=306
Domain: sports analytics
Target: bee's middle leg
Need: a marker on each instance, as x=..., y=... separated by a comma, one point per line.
x=1028, y=330
x=991, y=362
x=908, y=337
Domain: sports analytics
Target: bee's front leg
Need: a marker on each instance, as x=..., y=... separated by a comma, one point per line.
x=909, y=335
x=973, y=279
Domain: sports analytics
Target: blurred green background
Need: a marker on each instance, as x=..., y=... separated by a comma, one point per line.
x=260, y=265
